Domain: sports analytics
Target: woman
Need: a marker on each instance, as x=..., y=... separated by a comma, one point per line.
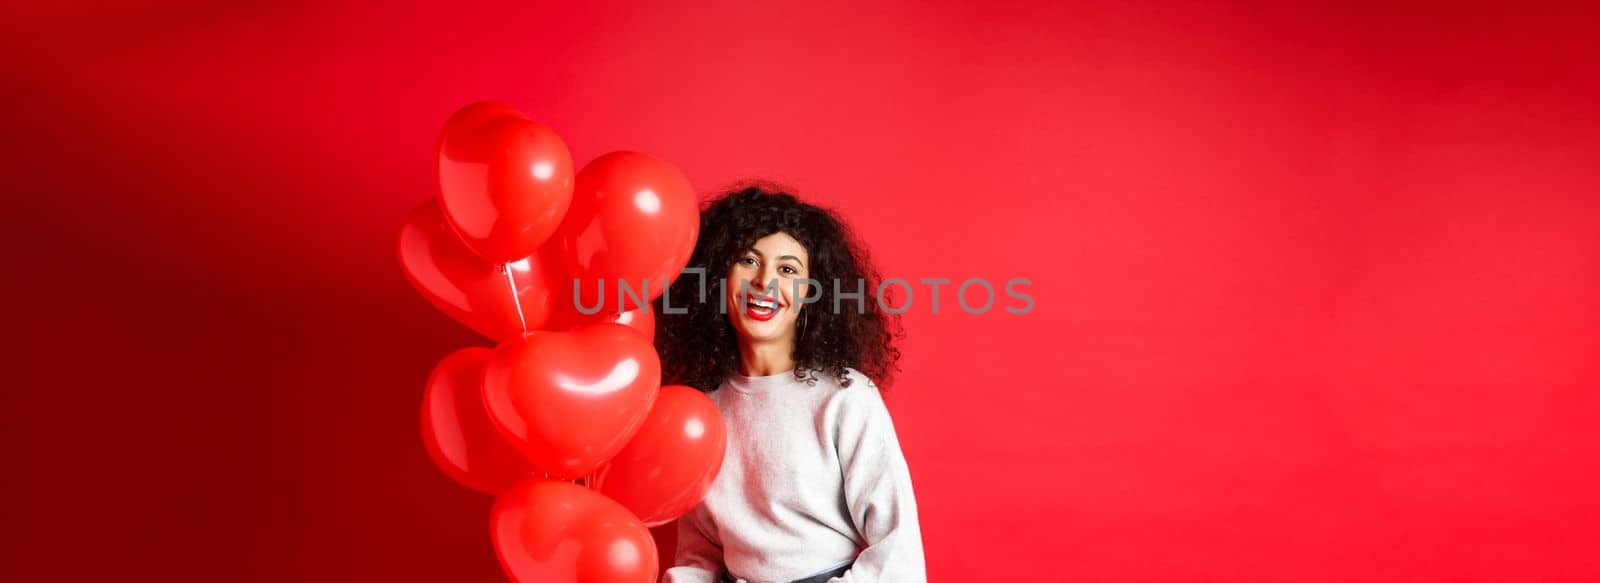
x=814, y=487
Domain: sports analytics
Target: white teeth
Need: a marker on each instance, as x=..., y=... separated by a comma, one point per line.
x=771, y=305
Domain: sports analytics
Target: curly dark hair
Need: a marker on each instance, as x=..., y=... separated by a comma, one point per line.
x=700, y=349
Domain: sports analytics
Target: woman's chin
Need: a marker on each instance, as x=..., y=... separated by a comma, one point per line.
x=758, y=331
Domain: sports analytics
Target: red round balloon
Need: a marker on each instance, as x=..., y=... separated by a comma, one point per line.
x=546, y=531
x=633, y=221
x=505, y=181
x=571, y=400
x=669, y=465
x=471, y=290
x=456, y=429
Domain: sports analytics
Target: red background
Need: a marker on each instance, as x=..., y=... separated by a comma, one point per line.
x=1315, y=284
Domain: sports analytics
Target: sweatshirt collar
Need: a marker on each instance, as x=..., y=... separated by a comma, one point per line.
x=761, y=384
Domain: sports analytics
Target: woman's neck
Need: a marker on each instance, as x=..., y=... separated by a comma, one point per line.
x=767, y=358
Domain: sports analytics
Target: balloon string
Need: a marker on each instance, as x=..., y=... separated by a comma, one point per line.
x=516, y=301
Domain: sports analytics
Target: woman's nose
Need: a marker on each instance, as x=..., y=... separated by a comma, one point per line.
x=767, y=275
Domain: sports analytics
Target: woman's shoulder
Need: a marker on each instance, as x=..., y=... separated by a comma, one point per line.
x=832, y=382
x=855, y=408
x=852, y=391
x=857, y=378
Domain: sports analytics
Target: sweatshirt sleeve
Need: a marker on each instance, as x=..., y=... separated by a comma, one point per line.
x=877, y=489
x=699, y=555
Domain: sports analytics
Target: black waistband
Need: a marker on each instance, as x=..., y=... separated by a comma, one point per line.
x=818, y=578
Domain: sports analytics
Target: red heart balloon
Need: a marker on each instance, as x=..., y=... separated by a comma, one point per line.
x=469, y=289
x=565, y=314
x=669, y=465
x=505, y=181
x=571, y=400
x=633, y=220
x=642, y=320
x=547, y=531
x=456, y=429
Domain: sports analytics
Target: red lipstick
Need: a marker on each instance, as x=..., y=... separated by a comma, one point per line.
x=759, y=314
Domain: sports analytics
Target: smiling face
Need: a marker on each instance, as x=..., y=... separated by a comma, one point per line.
x=760, y=311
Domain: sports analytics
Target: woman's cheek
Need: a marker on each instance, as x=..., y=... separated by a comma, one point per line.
x=797, y=295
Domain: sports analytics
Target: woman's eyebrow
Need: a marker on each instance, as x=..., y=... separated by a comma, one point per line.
x=780, y=257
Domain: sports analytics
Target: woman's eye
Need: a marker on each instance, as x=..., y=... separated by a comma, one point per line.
x=788, y=270
x=748, y=261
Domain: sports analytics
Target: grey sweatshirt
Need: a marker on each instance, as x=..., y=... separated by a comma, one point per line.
x=813, y=478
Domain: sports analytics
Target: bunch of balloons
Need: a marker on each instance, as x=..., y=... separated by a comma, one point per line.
x=566, y=421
